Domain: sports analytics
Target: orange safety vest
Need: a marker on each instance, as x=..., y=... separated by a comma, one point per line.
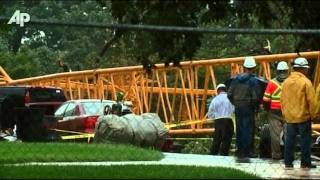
x=272, y=94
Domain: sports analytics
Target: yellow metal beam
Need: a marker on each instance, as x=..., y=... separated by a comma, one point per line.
x=176, y=93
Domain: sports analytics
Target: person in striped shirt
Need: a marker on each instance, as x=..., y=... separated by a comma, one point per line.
x=272, y=99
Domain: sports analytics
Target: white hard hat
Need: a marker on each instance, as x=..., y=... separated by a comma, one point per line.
x=220, y=86
x=249, y=62
x=282, y=65
x=301, y=62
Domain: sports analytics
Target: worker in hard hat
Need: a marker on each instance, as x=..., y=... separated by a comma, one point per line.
x=299, y=110
x=244, y=93
x=272, y=99
x=221, y=110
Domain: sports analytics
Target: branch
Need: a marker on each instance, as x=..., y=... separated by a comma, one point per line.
x=117, y=35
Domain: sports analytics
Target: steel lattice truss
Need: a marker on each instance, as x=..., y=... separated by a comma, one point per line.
x=177, y=94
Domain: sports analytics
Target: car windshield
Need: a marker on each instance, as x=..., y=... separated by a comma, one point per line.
x=93, y=108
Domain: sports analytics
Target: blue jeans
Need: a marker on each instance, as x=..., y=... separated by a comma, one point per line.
x=244, y=129
x=304, y=129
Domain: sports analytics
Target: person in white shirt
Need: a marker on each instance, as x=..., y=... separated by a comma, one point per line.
x=221, y=110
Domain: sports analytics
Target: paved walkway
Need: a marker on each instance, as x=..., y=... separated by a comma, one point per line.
x=263, y=168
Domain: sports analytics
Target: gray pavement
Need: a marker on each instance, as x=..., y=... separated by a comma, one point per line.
x=263, y=168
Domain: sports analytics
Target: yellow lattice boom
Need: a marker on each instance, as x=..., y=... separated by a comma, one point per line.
x=177, y=94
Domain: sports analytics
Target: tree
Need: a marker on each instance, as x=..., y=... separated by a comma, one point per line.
x=21, y=65
x=74, y=45
x=84, y=48
x=152, y=47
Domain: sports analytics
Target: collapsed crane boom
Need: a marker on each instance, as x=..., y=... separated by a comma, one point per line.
x=177, y=94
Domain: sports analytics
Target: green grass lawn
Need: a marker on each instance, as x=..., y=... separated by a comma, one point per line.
x=121, y=172
x=17, y=152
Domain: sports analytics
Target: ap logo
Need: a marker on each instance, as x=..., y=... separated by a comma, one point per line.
x=19, y=18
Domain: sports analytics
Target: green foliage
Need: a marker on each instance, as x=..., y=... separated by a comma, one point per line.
x=21, y=65
x=47, y=58
x=197, y=147
x=3, y=43
x=167, y=46
x=84, y=48
x=72, y=45
x=304, y=14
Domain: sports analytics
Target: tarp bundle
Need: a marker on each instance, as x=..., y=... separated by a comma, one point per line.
x=146, y=130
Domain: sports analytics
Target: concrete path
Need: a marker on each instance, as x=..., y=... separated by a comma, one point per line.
x=263, y=168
